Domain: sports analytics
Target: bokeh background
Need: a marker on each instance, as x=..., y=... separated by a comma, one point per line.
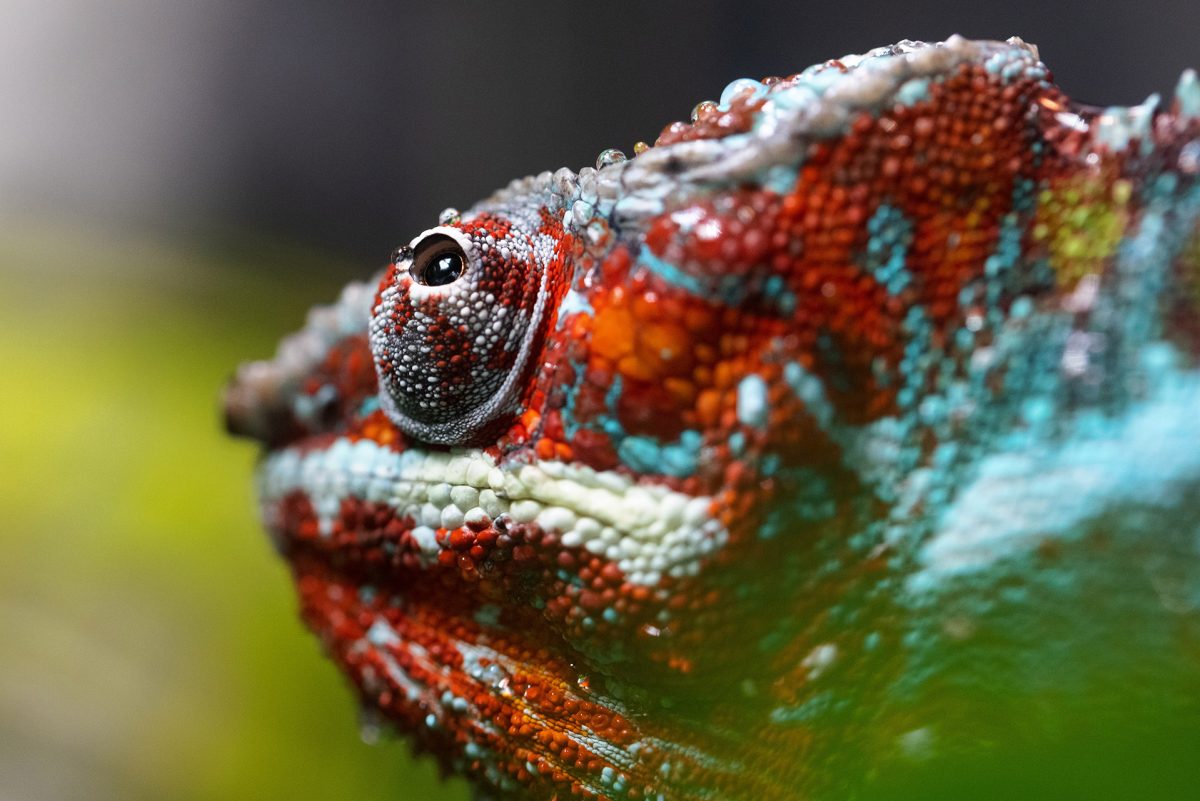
x=178, y=183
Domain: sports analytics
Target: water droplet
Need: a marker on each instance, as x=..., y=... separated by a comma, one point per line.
x=610, y=156
x=449, y=216
x=639, y=148
x=739, y=87
x=703, y=108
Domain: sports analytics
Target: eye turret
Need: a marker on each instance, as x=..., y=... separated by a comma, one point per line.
x=453, y=325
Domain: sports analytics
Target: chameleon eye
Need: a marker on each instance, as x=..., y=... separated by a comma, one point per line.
x=437, y=261
x=453, y=326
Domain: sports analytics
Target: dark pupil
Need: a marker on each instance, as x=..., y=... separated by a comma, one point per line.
x=442, y=269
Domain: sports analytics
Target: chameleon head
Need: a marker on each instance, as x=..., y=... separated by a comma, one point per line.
x=454, y=323
x=616, y=485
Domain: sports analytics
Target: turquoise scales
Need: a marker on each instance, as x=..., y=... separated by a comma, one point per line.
x=850, y=425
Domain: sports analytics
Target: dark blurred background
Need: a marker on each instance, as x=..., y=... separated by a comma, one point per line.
x=344, y=126
x=178, y=182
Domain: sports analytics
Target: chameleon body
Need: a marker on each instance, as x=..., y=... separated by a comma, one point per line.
x=712, y=472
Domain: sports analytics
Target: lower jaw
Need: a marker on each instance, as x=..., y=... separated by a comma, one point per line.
x=513, y=714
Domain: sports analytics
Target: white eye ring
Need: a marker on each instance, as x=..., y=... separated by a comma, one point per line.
x=456, y=234
x=419, y=289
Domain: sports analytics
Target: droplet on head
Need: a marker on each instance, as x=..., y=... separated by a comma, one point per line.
x=449, y=216
x=703, y=108
x=610, y=156
x=639, y=148
x=742, y=86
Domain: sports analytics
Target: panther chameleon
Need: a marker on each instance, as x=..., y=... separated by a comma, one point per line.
x=735, y=466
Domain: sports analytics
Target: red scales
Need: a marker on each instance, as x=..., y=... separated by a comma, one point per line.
x=609, y=476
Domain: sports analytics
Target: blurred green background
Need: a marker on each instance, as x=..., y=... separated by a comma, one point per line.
x=178, y=183
x=151, y=647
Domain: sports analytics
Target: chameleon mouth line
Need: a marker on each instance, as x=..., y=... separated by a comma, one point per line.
x=648, y=530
